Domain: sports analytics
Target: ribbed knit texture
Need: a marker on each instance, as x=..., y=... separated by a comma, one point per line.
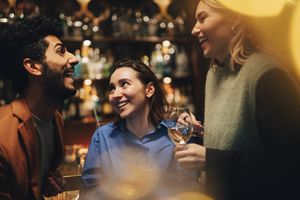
x=230, y=100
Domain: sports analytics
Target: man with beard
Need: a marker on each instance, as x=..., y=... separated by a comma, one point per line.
x=40, y=69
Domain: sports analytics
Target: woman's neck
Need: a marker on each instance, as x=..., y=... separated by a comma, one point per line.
x=139, y=126
x=222, y=62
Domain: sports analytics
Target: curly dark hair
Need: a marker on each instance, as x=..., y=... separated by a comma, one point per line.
x=24, y=39
x=157, y=102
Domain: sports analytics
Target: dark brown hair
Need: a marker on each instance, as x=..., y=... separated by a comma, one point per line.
x=24, y=38
x=157, y=102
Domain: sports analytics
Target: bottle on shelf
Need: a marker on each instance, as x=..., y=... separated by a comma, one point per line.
x=115, y=21
x=180, y=27
x=182, y=64
x=157, y=62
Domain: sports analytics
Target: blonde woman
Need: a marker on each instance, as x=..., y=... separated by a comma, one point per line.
x=252, y=112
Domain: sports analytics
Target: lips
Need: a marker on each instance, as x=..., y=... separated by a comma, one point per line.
x=121, y=104
x=202, y=40
x=69, y=73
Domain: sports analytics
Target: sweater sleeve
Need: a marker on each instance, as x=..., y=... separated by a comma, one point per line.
x=278, y=111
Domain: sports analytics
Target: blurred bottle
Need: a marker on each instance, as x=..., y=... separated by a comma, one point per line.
x=98, y=64
x=63, y=22
x=180, y=25
x=126, y=23
x=137, y=24
x=157, y=61
x=77, y=28
x=115, y=20
x=87, y=28
x=182, y=61
x=152, y=27
x=107, y=65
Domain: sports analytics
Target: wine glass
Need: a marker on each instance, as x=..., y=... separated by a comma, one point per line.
x=180, y=129
x=179, y=124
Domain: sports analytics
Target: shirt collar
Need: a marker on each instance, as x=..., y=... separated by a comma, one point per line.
x=122, y=126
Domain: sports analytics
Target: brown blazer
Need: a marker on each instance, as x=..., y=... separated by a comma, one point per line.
x=19, y=153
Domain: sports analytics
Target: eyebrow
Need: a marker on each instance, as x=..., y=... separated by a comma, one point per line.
x=121, y=80
x=59, y=44
x=200, y=14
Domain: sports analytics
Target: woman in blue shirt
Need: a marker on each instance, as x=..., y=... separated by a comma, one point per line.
x=133, y=156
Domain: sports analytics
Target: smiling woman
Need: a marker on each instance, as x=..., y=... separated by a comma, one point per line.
x=252, y=109
x=138, y=86
x=134, y=155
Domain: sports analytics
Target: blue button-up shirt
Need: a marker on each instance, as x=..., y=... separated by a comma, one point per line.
x=113, y=148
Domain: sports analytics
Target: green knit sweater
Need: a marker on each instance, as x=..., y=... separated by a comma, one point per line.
x=230, y=100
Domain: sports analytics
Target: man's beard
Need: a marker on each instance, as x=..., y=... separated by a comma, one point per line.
x=54, y=84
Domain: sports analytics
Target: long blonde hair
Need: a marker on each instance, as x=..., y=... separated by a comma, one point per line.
x=241, y=46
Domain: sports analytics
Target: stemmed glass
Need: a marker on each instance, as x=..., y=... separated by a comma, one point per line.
x=179, y=123
x=180, y=130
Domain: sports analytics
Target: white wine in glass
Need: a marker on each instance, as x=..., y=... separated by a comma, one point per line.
x=179, y=125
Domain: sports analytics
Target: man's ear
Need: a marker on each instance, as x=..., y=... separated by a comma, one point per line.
x=32, y=66
x=150, y=89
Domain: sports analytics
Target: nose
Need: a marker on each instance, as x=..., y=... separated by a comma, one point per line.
x=116, y=94
x=72, y=60
x=196, y=29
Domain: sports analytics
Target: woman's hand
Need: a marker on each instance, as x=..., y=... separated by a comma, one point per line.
x=190, y=156
x=198, y=129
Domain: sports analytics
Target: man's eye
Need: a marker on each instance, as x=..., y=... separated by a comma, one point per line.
x=61, y=50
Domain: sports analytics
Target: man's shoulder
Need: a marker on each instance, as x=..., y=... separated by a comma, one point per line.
x=5, y=113
x=8, y=125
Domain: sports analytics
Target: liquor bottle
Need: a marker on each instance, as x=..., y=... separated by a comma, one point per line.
x=98, y=64
x=157, y=61
x=107, y=65
x=182, y=61
x=180, y=24
x=116, y=29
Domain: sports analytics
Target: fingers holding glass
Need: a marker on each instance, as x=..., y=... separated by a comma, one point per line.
x=179, y=124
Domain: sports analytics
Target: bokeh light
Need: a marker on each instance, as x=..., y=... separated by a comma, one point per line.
x=138, y=177
x=258, y=8
x=190, y=196
x=295, y=38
